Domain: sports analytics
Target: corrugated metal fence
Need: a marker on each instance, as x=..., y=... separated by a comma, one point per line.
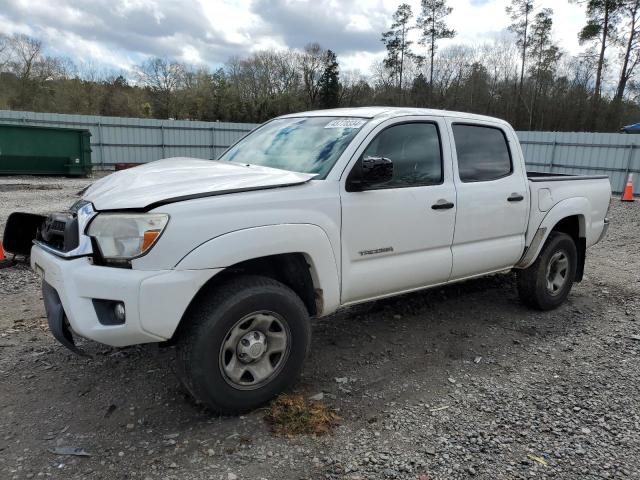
x=139, y=140
x=136, y=140
x=612, y=154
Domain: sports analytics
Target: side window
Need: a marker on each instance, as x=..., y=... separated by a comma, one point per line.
x=483, y=153
x=414, y=149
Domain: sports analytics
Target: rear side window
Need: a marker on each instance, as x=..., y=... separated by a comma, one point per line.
x=414, y=149
x=483, y=153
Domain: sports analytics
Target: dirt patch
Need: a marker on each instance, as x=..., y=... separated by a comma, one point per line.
x=295, y=415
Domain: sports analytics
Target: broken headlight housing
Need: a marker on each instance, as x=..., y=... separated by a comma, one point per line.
x=125, y=236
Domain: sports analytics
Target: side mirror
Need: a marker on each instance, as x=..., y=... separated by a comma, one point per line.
x=370, y=171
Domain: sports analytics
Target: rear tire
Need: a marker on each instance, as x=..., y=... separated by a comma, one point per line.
x=243, y=343
x=546, y=284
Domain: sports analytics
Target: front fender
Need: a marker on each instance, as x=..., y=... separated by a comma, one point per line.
x=247, y=244
x=576, y=206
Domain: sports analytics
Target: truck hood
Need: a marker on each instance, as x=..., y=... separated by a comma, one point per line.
x=175, y=179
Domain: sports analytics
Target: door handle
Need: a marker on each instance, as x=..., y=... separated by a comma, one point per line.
x=442, y=204
x=515, y=197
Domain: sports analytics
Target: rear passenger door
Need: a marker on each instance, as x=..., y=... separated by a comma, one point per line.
x=492, y=199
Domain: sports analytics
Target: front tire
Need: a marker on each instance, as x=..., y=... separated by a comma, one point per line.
x=243, y=343
x=546, y=284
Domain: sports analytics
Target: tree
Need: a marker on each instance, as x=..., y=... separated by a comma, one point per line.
x=396, y=42
x=520, y=14
x=311, y=64
x=5, y=51
x=433, y=28
x=329, y=84
x=602, y=19
x=631, y=54
x=162, y=77
x=545, y=55
x=558, y=89
x=33, y=70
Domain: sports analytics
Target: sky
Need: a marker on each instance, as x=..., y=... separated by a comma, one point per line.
x=118, y=34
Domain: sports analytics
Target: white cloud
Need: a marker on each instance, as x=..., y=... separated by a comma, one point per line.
x=360, y=61
x=233, y=19
x=121, y=33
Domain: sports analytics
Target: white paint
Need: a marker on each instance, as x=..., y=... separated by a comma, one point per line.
x=401, y=219
x=489, y=229
x=152, y=313
x=151, y=182
x=238, y=246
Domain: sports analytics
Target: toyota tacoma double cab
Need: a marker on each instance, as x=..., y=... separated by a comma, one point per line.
x=310, y=212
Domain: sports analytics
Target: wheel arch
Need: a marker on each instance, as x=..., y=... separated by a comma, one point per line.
x=567, y=217
x=298, y=255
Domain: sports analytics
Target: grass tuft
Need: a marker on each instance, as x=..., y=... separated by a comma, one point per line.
x=295, y=415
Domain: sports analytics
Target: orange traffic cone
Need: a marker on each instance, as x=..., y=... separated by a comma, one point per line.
x=627, y=195
x=1, y=252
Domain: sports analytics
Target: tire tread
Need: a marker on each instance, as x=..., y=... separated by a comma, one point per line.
x=527, y=279
x=211, y=300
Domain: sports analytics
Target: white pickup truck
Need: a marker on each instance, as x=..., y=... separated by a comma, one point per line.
x=308, y=213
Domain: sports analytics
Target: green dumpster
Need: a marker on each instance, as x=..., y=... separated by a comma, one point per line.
x=28, y=150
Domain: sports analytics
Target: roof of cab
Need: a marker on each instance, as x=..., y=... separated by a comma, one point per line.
x=376, y=112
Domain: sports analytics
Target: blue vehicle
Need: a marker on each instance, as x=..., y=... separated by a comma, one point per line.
x=634, y=128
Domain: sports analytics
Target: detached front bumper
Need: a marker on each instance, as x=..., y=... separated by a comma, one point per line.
x=154, y=301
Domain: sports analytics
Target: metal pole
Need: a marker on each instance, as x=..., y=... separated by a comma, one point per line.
x=100, y=139
x=213, y=142
x=162, y=134
x=553, y=156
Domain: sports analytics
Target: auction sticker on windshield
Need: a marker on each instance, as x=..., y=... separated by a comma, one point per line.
x=346, y=123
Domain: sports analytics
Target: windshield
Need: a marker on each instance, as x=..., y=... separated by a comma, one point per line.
x=303, y=144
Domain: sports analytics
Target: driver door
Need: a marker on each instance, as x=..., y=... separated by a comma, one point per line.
x=397, y=236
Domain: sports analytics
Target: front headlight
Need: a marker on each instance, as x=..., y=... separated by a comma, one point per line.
x=123, y=236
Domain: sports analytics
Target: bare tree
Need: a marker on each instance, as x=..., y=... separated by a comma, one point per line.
x=5, y=51
x=32, y=69
x=162, y=77
x=312, y=65
x=27, y=51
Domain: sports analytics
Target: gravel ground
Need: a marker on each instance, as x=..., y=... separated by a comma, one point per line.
x=455, y=382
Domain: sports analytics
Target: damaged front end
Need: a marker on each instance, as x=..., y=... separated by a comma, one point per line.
x=20, y=231
x=61, y=234
x=57, y=320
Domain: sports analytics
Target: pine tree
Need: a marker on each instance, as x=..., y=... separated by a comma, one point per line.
x=631, y=41
x=330, y=82
x=544, y=54
x=396, y=42
x=433, y=28
x=602, y=19
x=520, y=13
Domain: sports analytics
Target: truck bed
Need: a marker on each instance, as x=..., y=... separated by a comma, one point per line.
x=586, y=195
